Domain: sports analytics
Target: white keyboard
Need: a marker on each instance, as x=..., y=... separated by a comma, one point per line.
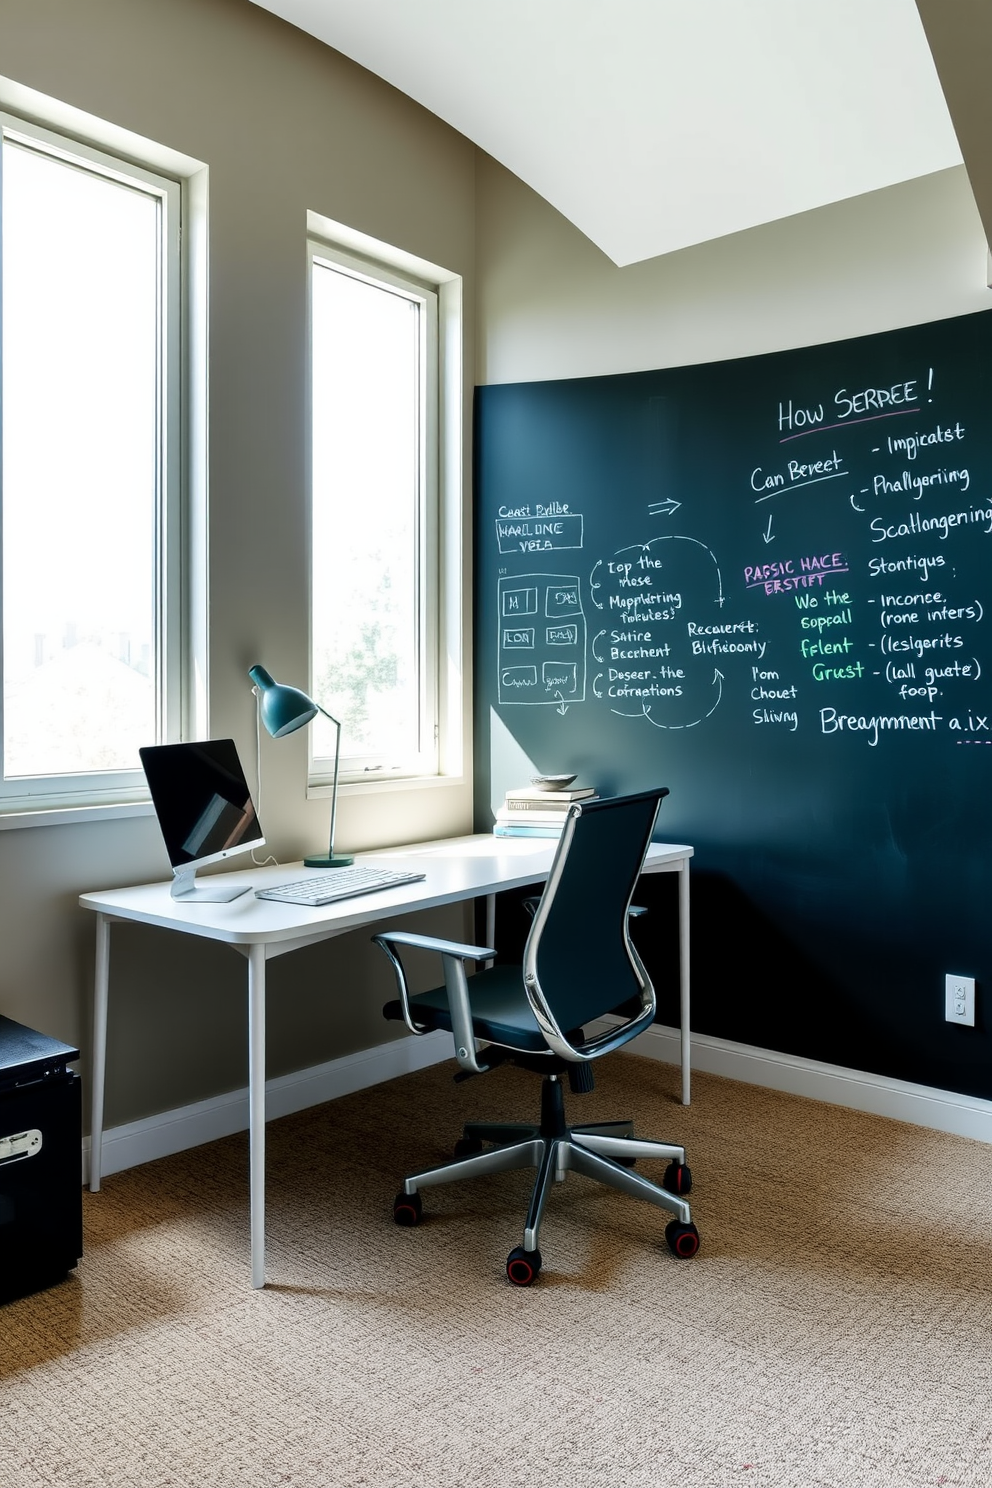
x=340, y=883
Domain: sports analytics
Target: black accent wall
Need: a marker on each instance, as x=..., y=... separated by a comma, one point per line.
x=766, y=584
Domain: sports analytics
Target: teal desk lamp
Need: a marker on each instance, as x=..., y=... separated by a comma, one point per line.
x=283, y=710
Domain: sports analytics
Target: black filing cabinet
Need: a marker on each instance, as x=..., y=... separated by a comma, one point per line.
x=41, y=1199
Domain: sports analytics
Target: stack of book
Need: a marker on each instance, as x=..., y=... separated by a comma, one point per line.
x=530, y=812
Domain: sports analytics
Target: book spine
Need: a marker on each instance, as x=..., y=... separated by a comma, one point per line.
x=502, y=830
x=522, y=804
x=530, y=811
x=554, y=823
x=555, y=798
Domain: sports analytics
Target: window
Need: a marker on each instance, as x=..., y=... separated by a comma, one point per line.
x=374, y=514
x=90, y=472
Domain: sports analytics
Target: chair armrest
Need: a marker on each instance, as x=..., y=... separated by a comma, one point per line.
x=453, y=957
x=533, y=900
x=434, y=943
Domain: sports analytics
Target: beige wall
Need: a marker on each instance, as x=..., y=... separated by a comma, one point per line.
x=551, y=305
x=284, y=125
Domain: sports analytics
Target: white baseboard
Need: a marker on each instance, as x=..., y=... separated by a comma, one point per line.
x=921, y=1105
x=205, y=1121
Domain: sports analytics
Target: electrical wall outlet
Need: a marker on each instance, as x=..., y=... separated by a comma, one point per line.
x=959, y=999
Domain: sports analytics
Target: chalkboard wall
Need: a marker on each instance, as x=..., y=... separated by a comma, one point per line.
x=766, y=584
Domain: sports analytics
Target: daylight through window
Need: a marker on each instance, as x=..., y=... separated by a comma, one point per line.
x=374, y=392
x=89, y=297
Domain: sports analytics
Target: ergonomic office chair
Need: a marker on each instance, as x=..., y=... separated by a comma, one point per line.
x=579, y=964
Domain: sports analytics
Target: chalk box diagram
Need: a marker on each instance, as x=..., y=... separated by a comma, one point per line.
x=542, y=639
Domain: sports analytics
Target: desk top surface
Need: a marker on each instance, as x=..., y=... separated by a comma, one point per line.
x=456, y=868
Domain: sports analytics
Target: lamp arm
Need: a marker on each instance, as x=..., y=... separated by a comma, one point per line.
x=334, y=782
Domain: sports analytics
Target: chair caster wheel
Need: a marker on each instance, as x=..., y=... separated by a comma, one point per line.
x=467, y=1146
x=678, y=1178
x=407, y=1209
x=683, y=1239
x=523, y=1266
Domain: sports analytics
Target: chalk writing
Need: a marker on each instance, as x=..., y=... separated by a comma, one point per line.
x=538, y=533
x=847, y=618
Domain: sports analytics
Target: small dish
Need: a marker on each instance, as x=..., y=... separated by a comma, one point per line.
x=552, y=782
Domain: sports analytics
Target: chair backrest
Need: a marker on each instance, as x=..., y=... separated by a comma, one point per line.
x=579, y=961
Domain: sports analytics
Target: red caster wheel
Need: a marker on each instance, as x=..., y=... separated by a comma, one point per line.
x=678, y=1178
x=523, y=1266
x=407, y=1209
x=683, y=1239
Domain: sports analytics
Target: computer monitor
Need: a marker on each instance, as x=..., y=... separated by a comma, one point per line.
x=205, y=811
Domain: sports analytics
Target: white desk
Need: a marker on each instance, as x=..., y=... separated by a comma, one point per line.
x=457, y=869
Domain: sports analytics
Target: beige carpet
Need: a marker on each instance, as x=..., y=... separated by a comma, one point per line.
x=835, y=1330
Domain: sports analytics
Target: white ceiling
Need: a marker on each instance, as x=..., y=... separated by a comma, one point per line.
x=656, y=124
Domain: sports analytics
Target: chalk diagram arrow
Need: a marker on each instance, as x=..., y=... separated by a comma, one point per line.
x=592, y=646
x=562, y=707
x=646, y=709
x=767, y=534
x=855, y=504
x=598, y=678
x=663, y=508
x=676, y=537
x=593, y=586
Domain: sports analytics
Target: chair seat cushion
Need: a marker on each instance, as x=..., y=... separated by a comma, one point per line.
x=501, y=1013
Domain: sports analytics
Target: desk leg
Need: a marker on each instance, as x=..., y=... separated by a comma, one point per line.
x=256, y=1108
x=101, y=989
x=684, y=978
x=490, y=923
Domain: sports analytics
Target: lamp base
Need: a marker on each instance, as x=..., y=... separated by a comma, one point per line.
x=338, y=861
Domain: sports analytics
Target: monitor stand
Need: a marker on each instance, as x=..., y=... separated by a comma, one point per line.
x=185, y=887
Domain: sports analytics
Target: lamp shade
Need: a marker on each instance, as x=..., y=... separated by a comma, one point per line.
x=282, y=709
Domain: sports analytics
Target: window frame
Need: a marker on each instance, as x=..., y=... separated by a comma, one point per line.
x=425, y=762
x=45, y=794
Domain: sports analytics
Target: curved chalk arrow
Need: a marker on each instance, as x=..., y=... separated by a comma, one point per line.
x=598, y=678
x=593, y=586
x=855, y=504
x=592, y=646
x=718, y=680
x=677, y=537
x=562, y=705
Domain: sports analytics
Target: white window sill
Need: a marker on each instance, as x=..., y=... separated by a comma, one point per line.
x=375, y=782
x=20, y=814
x=63, y=816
